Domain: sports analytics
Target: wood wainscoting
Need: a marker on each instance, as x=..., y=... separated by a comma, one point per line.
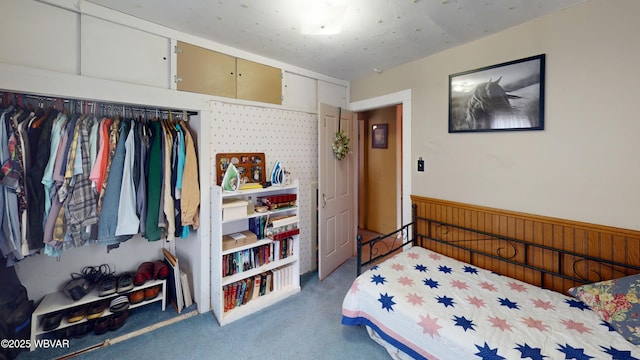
x=563, y=247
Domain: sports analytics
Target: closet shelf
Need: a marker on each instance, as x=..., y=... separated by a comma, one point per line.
x=59, y=301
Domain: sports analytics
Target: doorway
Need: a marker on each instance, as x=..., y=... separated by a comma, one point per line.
x=379, y=170
x=402, y=190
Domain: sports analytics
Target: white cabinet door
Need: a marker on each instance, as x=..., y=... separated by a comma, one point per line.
x=39, y=35
x=299, y=92
x=116, y=52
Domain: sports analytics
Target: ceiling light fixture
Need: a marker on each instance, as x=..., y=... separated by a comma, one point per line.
x=322, y=17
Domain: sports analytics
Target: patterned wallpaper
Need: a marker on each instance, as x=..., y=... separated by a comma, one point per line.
x=290, y=137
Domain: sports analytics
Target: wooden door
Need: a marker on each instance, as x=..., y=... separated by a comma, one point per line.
x=337, y=211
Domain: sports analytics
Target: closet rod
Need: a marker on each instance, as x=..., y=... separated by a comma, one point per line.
x=97, y=103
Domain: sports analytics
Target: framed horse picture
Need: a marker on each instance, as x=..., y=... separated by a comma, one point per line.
x=507, y=96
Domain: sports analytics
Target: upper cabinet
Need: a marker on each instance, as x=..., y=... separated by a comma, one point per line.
x=116, y=52
x=205, y=71
x=258, y=82
x=209, y=72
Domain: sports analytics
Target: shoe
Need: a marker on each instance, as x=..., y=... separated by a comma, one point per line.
x=160, y=270
x=151, y=293
x=51, y=321
x=66, y=333
x=144, y=273
x=136, y=296
x=96, y=309
x=107, y=286
x=82, y=329
x=125, y=283
x=117, y=320
x=101, y=325
x=76, y=314
x=77, y=288
x=121, y=303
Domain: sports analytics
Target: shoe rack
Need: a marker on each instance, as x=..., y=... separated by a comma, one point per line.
x=282, y=271
x=60, y=302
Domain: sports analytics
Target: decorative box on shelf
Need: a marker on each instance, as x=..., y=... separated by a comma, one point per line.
x=238, y=239
x=233, y=209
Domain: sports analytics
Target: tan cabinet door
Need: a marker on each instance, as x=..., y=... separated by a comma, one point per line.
x=206, y=71
x=259, y=82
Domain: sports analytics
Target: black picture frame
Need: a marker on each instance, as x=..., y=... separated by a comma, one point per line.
x=503, y=97
x=379, y=135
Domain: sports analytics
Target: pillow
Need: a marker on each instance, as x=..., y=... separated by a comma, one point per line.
x=616, y=302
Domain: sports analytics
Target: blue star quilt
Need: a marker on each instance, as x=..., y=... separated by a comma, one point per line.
x=430, y=306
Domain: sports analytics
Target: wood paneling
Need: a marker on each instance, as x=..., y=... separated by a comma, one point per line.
x=205, y=71
x=209, y=72
x=548, y=238
x=258, y=82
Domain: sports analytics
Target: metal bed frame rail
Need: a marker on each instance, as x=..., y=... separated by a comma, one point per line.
x=558, y=263
x=383, y=245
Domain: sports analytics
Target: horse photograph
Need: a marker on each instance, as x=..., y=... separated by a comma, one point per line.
x=507, y=96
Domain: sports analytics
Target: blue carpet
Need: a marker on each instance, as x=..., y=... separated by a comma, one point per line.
x=304, y=326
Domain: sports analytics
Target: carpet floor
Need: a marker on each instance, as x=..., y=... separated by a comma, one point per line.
x=304, y=326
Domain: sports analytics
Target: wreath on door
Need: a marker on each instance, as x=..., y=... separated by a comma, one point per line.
x=340, y=145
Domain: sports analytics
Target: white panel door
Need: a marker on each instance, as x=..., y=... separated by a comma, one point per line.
x=336, y=192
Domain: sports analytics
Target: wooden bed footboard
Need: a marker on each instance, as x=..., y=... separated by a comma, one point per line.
x=548, y=252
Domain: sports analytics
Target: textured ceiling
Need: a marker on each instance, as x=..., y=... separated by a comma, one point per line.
x=376, y=34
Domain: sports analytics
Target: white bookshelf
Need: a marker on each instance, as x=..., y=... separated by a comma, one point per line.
x=221, y=227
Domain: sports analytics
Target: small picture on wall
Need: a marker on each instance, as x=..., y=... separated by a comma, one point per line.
x=379, y=136
x=507, y=96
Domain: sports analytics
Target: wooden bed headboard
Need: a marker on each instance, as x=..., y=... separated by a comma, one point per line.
x=548, y=252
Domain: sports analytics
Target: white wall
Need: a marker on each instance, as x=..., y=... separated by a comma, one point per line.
x=50, y=57
x=583, y=166
x=290, y=137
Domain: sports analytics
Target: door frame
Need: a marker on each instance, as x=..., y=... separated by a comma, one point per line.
x=402, y=97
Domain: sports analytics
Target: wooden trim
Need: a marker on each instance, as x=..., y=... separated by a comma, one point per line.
x=548, y=252
x=532, y=217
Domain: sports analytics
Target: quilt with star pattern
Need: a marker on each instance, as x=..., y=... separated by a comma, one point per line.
x=431, y=306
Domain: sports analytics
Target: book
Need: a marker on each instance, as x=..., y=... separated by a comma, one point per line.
x=257, y=284
x=242, y=287
x=233, y=295
x=247, y=186
x=249, y=290
x=263, y=283
x=285, y=234
x=269, y=285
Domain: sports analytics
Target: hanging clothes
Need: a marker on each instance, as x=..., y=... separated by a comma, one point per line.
x=154, y=185
x=190, y=193
x=10, y=244
x=70, y=179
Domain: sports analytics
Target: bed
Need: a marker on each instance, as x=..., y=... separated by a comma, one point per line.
x=419, y=303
